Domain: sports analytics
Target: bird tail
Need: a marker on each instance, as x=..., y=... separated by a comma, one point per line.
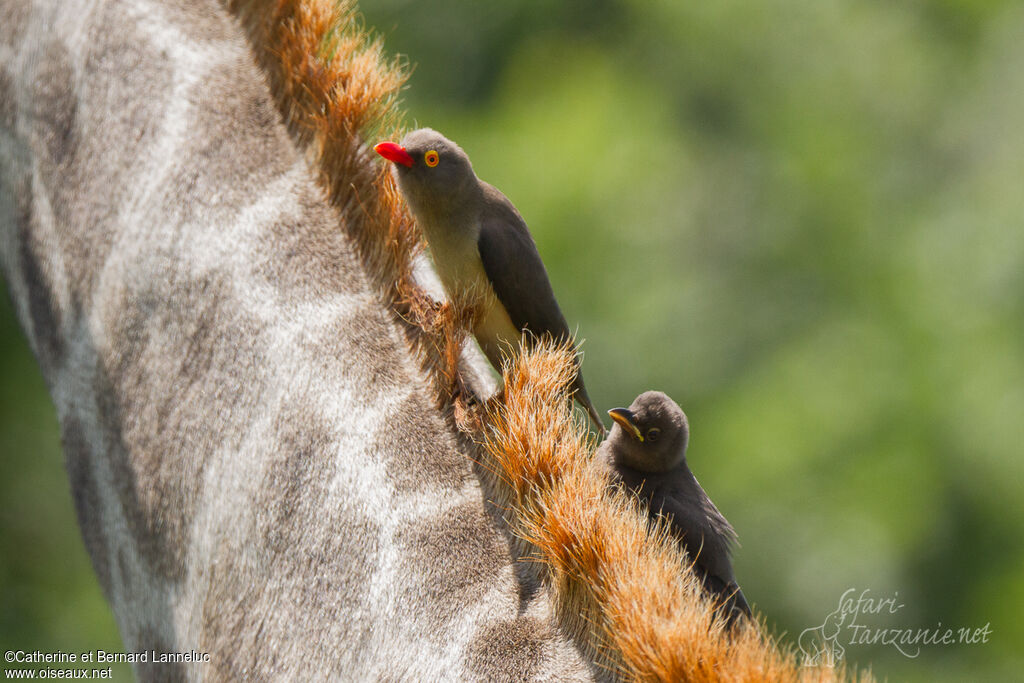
x=730, y=603
x=580, y=394
x=736, y=606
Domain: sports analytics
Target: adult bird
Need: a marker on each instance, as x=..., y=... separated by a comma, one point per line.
x=646, y=452
x=481, y=247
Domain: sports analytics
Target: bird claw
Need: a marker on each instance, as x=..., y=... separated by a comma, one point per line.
x=465, y=407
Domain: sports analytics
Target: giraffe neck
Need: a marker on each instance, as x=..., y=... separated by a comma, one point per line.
x=251, y=444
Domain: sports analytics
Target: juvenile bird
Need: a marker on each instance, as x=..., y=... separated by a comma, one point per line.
x=480, y=246
x=646, y=452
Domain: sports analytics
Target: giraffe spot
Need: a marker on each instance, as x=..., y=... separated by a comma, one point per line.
x=303, y=518
x=303, y=255
x=86, y=497
x=148, y=510
x=294, y=488
x=417, y=457
x=457, y=558
x=13, y=22
x=511, y=650
x=357, y=351
x=100, y=156
x=235, y=146
x=54, y=109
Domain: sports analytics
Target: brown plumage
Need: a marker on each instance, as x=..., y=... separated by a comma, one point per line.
x=646, y=452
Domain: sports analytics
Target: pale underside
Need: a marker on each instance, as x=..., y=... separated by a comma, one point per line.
x=458, y=265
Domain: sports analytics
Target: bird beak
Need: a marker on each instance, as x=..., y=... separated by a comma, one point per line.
x=624, y=418
x=392, y=151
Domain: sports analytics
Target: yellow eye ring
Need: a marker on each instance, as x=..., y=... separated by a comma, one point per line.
x=431, y=158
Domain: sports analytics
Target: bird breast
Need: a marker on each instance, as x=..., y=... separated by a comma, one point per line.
x=456, y=257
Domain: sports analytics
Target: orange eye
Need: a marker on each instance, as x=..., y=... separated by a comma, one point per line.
x=431, y=158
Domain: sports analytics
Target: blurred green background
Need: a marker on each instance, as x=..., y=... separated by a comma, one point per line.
x=804, y=221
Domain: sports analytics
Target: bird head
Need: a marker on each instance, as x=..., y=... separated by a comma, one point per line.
x=433, y=173
x=650, y=435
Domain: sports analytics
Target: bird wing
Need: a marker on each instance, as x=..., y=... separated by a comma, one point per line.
x=704, y=532
x=694, y=521
x=707, y=538
x=515, y=269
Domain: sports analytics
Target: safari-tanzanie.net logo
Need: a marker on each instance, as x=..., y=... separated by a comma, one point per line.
x=860, y=619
